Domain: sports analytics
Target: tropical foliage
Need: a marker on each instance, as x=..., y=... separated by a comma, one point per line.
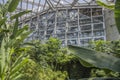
x=35, y=60
x=11, y=41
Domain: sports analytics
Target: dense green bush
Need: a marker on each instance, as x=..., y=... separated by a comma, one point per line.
x=47, y=61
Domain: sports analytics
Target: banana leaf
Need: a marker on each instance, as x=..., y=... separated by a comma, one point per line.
x=98, y=59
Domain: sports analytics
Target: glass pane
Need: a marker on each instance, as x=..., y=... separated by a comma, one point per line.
x=61, y=15
x=60, y=31
x=73, y=23
x=61, y=36
x=98, y=19
x=86, y=34
x=98, y=33
x=71, y=29
x=85, y=42
x=59, y=25
x=85, y=21
x=96, y=11
x=72, y=35
x=85, y=13
x=101, y=38
x=86, y=27
x=98, y=27
x=72, y=42
x=72, y=14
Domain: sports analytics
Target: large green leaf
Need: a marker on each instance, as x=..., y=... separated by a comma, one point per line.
x=13, y=5
x=86, y=64
x=101, y=60
x=117, y=14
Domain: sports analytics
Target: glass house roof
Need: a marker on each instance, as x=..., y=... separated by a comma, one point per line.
x=39, y=6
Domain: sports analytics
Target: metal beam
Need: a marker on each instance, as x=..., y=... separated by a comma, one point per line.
x=74, y=2
x=30, y=2
x=50, y=4
x=58, y=3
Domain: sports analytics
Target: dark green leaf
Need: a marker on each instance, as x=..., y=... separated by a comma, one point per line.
x=101, y=60
x=13, y=5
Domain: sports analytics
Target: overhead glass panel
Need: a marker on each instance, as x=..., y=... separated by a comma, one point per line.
x=75, y=22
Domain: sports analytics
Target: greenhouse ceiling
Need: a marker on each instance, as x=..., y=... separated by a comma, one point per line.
x=39, y=6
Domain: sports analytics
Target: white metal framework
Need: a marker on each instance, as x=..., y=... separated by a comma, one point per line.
x=76, y=26
x=75, y=22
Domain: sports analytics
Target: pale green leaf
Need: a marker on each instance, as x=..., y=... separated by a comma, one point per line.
x=3, y=55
